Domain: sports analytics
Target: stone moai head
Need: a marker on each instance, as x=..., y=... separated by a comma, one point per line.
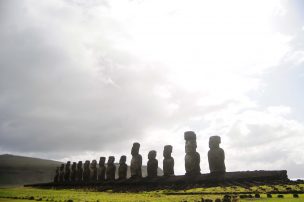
x=68, y=164
x=62, y=167
x=87, y=164
x=167, y=151
x=214, y=142
x=152, y=155
x=79, y=165
x=102, y=161
x=190, y=146
x=111, y=160
x=135, y=149
x=122, y=159
x=94, y=163
x=74, y=165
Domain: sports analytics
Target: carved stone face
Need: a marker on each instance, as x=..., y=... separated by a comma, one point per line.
x=152, y=155
x=167, y=151
x=190, y=146
x=111, y=160
x=79, y=165
x=102, y=161
x=214, y=142
x=94, y=163
x=135, y=149
x=123, y=160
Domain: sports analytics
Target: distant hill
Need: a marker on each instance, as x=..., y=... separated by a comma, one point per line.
x=20, y=170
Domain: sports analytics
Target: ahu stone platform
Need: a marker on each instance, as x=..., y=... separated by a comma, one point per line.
x=242, y=178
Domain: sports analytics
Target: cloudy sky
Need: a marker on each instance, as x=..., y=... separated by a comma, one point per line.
x=80, y=79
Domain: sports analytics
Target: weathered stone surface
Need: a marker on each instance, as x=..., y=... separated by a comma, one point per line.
x=61, y=173
x=79, y=171
x=216, y=156
x=67, y=171
x=136, y=161
x=152, y=164
x=93, y=171
x=168, y=162
x=73, y=172
x=111, y=168
x=192, y=158
x=56, y=177
x=102, y=169
x=123, y=168
x=86, y=171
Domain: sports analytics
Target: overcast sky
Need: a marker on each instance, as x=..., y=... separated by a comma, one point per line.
x=80, y=79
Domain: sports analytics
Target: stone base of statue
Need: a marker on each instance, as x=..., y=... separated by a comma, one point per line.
x=254, y=178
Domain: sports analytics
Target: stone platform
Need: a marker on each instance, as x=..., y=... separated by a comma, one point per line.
x=243, y=178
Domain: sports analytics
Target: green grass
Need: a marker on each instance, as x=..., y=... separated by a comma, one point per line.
x=21, y=194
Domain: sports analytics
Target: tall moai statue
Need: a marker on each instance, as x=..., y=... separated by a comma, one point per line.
x=123, y=168
x=73, y=172
x=168, y=162
x=86, y=171
x=93, y=176
x=67, y=171
x=79, y=171
x=136, y=161
x=216, y=156
x=102, y=169
x=111, y=168
x=56, y=177
x=61, y=173
x=152, y=164
x=192, y=158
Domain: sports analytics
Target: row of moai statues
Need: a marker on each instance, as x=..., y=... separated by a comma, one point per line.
x=90, y=171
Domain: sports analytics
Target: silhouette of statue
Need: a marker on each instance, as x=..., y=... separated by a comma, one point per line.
x=168, y=162
x=61, y=173
x=123, y=168
x=152, y=164
x=102, y=169
x=79, y=171
x=136, y=161
x=56, y=178
x=111, y=168
x=67, y=171
x=192, y=158
x=94, y=170
x=86, y=171
x=73, y=172
x=216, y=156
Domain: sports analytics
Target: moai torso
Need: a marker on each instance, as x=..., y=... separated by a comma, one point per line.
x=67, y=172
x=93, y=176
x=102, y=169
x=56, y=178
x=152, y=164
x=216, y=156
x=123, y=168
x=136, y=161
x=111, y=168
x=192, y=158
x=79, y=171
x=61, y=173
x=168, y=162
x=73, y=172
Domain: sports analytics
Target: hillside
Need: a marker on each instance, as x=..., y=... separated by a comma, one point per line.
x=20, y=170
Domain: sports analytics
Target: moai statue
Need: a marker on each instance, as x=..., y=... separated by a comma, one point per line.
x=192, y=158
x=152, y=164
x=216, y=156
x=79, y=171
x=102, y=169
x=56, y=178
x=123, y=168
x=168, y=162
x=136, y=161
x=86, y=171
x=111, y=168
x=61, y=173
x=67, y=171
x=94, y=170
x=73, y=172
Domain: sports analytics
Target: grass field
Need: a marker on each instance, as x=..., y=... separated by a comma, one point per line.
x=21, y=194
